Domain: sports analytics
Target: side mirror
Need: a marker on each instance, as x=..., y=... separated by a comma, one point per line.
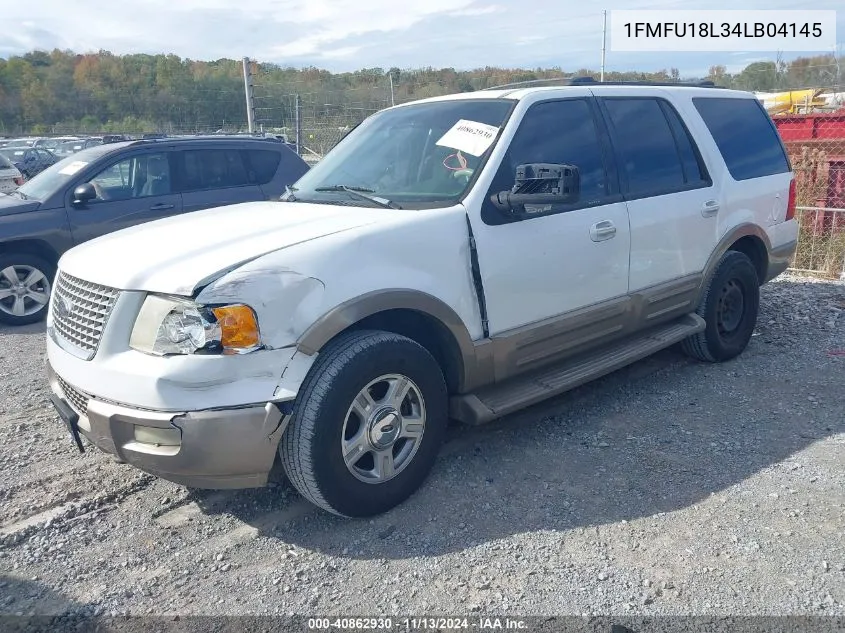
x=84, y=193
x=539, y=186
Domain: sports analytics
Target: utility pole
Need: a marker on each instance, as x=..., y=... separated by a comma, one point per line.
x=297, y=110
x=603, y=41
x=392, y=101
x=250, y=101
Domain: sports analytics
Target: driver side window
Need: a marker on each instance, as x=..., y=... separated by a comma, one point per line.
x=134, y=177
x=562, y=132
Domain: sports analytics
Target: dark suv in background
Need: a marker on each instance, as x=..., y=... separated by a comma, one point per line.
x=114, y=186
x=30, y=161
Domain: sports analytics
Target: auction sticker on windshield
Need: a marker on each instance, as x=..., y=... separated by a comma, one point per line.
x=71, y=168
x=471, y=137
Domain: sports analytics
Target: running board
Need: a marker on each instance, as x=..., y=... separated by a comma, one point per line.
x=496, y=401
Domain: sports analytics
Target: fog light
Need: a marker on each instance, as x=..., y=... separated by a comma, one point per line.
x=157, y=437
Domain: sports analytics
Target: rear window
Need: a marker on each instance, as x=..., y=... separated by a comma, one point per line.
x=745, y=136
x=263, y=164
x=213, y=169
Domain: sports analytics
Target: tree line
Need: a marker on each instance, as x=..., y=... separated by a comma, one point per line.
x=54, y=92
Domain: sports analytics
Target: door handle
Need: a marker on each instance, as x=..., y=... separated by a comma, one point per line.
x=710, y=208
x=161, y=207
x=603, y=230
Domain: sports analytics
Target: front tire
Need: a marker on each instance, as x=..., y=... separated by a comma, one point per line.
x=25, y=285
x=730, y=306
x=368, y=424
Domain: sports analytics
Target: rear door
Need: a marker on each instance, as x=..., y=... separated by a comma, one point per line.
x=131, y=190
x=214, y=177
x=671, y=199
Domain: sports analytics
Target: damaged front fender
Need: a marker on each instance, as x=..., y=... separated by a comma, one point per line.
x=284, y=300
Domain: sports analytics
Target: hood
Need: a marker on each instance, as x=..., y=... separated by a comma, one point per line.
x=10, y=205
x=176, y=255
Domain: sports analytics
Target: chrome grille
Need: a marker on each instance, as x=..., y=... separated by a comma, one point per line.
x=75, y=398
x=80, y=310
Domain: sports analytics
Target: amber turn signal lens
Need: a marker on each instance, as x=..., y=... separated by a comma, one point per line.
x=238, y=327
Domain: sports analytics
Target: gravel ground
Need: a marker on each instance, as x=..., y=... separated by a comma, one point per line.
x=670, y=487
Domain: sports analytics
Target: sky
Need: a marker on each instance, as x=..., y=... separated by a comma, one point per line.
x=346, y=35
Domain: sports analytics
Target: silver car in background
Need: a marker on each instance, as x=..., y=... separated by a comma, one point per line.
x=10, y=177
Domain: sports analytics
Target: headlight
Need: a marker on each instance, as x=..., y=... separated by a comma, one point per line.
x=179, y=326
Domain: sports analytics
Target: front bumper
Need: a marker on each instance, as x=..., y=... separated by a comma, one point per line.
x=220, y=448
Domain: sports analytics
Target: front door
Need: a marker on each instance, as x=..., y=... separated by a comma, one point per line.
x=567, y=258
x=130, y=191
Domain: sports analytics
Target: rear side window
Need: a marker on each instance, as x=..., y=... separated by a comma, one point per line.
x=648, y=154
x=213, y=169
x=263, y=164
x=744, y=135
x=694, y=170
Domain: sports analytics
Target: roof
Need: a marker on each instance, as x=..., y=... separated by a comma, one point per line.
x=203, y=137
x=107, y=148
x=521, y=90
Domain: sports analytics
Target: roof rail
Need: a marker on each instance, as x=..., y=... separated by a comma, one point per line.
x=584, y=81
x=213, y=137
x=567, y=81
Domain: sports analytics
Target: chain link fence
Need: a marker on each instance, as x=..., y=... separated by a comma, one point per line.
x=314, y=109
x=815, y=142
x=821, y=242
x=317, y=109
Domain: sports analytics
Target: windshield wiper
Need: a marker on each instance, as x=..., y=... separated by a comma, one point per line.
x=361, y=192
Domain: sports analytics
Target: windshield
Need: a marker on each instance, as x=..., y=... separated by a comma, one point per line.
x=46, y=183
x=416, y=156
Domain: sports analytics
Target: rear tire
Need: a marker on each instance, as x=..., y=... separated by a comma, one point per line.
x=730, y=306
x=367, y=425
x=25, y=285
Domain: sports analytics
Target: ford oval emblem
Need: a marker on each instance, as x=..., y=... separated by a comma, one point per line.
x=64, y=306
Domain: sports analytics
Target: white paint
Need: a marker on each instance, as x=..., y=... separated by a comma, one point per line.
x=303, y=260
x=295, y=262
x=471, y=137
x=7, y=179
x=180, y=251
x=539, y=268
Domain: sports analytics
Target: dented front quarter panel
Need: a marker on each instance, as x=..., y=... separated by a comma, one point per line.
x=425, y=252
x=282, y=298
x=293, y=289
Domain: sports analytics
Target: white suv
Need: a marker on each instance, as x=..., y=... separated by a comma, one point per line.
x=458, y=257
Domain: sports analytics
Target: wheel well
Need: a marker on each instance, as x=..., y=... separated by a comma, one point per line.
x=754, y=248
x=425, y=330
x=32, y=247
